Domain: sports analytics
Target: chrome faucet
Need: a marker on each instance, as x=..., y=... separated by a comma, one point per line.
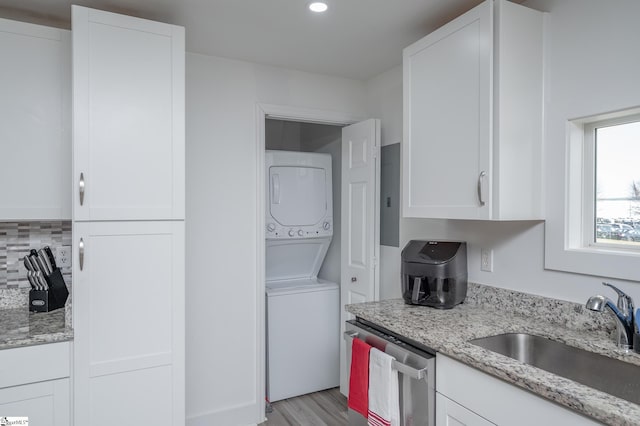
x=623, y=310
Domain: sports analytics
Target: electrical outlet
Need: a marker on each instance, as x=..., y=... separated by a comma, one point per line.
x=486, y=260
x=63, y=256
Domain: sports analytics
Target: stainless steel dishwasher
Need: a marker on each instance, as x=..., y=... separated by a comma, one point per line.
x=416, y=372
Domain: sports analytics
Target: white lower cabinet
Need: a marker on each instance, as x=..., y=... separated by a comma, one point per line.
x=45, y=403
x=466, y=396
x=128, y=313
x=34, y=383
x=449, y=413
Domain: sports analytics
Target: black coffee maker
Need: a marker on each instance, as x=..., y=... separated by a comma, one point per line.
x=434, y=273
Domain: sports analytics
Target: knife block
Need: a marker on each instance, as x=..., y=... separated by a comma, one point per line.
x=49, y=300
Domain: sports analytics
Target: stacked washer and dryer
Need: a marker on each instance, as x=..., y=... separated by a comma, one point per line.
x=303, y=311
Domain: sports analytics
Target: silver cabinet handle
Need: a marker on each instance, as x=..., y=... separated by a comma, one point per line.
x=354, y=279
x=81, y=253
x=480, y=182
x=81, y=188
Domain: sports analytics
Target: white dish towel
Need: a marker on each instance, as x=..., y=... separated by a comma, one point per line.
x=384, y=398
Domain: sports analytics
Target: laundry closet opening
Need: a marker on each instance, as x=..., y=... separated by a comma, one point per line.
x=303, y=259
x=298, y=136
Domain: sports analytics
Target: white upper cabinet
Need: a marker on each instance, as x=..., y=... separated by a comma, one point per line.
x=473, y=95
x=35, y=119
x=128, y=109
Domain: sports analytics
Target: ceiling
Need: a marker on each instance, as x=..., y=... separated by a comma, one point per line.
x=355, y=38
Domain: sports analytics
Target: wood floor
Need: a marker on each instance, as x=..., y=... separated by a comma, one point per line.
x=326, y=408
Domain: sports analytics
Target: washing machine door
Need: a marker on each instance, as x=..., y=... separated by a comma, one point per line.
x=297, y=195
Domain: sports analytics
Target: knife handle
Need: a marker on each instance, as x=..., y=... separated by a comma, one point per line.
x=43, y=282
x=81, y=188
x=51, y=257
x=32, y=281
x=34, y=278
x=45, y=260
x=27, y=264
x=81, y=254
x=42, y=265
x=34, y=263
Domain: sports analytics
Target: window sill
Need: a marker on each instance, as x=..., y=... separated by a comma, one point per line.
x=603, y=262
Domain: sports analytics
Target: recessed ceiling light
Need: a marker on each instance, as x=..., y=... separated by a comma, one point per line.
x=318, y=6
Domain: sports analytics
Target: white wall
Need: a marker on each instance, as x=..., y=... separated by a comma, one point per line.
x=384, y=96
x=221, y=235
x=592, y=66
x=330, y=269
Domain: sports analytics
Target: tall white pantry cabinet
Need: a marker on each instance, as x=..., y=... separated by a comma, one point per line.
x=128, y=219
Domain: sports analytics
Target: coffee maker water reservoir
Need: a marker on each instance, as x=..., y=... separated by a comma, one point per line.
x=434, y=273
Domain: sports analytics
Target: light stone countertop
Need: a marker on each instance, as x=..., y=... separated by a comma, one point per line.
x=449, y=331
x=19, y=327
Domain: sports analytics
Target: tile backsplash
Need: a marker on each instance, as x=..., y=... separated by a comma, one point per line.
x=16, y=239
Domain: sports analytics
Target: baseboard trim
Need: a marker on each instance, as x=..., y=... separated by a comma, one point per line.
x=241, y=415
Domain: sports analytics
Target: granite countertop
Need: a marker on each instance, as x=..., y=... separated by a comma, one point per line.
x=449, y=331
x=19, y=327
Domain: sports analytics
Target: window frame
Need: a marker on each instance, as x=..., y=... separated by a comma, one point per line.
x=570, y=211
x=589, y=214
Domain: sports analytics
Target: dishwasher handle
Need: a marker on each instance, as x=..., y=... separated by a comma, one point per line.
x=414, y=373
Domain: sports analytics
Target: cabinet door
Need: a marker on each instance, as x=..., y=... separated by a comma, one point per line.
x=447, y=120
x=44, y=403
x=449, y=413
x=128, y=111
x=500, y=402
x=128, y=319
x=35, y=117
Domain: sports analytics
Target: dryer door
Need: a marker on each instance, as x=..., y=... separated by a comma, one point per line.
x=297, y=195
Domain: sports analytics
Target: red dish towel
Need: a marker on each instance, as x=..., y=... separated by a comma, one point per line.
x=359, y=377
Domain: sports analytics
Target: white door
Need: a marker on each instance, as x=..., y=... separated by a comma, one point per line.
x=128, y=317
x=360, y=245
x=128, y=117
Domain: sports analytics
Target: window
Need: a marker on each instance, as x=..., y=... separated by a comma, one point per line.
x=611, y=202
x=589, y=184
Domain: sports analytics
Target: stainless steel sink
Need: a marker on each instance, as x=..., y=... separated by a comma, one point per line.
x=609, y=375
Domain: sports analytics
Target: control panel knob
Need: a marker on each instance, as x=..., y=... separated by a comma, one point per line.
x=291, y=233
x=326, y=226
x=271, y=227
x=300, y=233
